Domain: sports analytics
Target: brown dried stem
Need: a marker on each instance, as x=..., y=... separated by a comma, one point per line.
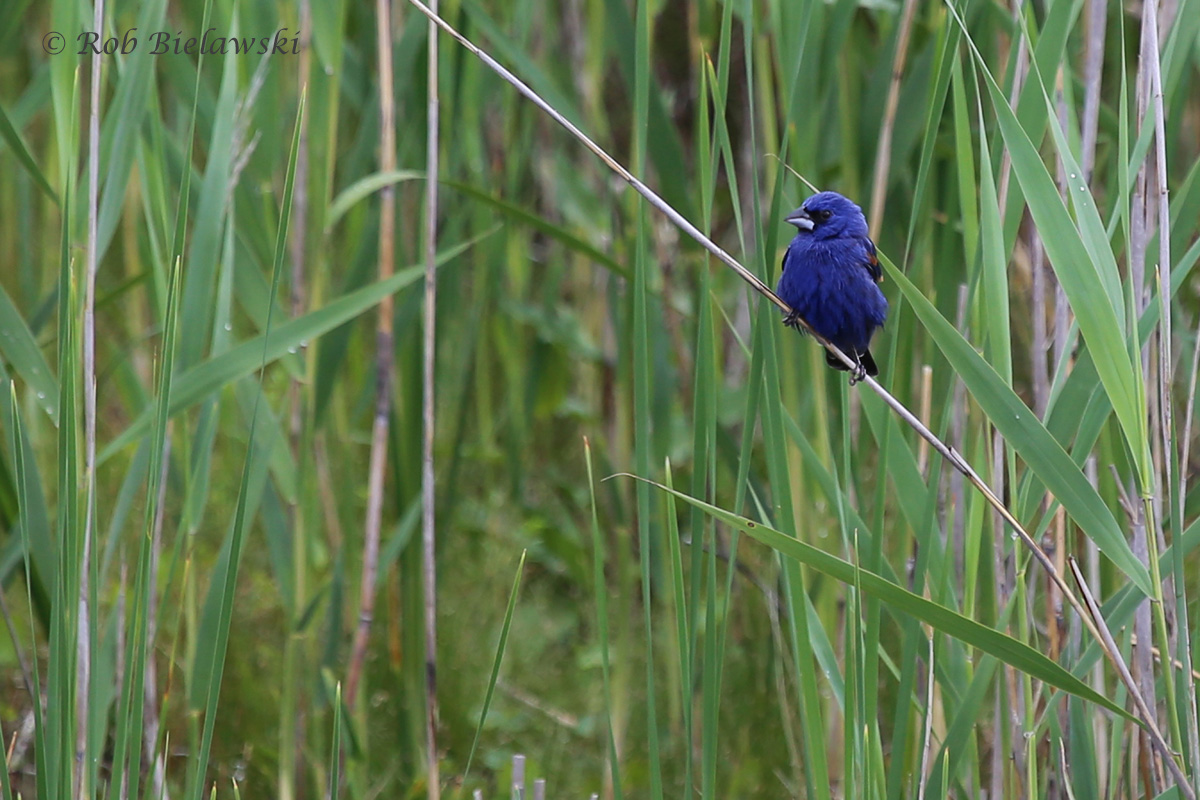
x=1097, y=17
x=1144, y=713
x=883, y=153
x=1165, y=359
x=384, y=349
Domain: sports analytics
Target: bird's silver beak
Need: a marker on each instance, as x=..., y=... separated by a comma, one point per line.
x=800, y=219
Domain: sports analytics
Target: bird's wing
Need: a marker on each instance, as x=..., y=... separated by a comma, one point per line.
x=872, y=264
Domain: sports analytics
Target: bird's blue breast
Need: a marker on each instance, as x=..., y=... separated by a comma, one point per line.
x=827, y=282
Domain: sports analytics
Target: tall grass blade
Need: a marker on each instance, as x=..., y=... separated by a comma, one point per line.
x=218, y=616
x=990, y=641
x=501, y=646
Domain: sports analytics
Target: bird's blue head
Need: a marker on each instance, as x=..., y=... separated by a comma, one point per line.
x=827, y=215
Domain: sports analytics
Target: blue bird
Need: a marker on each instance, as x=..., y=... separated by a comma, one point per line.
x=831, y=279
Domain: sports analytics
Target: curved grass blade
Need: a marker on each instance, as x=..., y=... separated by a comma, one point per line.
x=362, y=189
x=218, y=613
x=953, y=624
x=1086, y=270
x=601, y=590
x=123, y=122
x=500, y=647
x=12, y=137
x=335, y=746
x=129, y=716
x=211, y=215
x=1022, y=429
x=40, y=731
x=20, y=349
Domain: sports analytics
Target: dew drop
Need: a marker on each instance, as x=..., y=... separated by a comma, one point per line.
x=1072, y=174
x=228, y=326
x=291, y=350
x=41, y=395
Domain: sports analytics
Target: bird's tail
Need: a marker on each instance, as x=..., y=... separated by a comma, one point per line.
x=864, y=358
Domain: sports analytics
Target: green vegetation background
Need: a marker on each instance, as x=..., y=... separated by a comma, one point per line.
x=638, y=663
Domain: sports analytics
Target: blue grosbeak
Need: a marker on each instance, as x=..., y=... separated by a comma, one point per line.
x=830, y=279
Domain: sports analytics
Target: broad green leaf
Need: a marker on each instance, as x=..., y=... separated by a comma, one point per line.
x=123, y=121
x=1048, y=48
x=1087, y=278
x=988, y=640
x=20, y=349
x=200, y=264
x=209, y=662
x=12, y=137
x=1026, y=434
x=364, y=188
x=995, y=267
x=127, y=753
x=965, y=163
x=28, y=509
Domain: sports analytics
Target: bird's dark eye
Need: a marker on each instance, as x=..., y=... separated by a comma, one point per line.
x=826, y=214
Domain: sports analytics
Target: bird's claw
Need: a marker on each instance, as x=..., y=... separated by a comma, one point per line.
x=792, y=320
x=858, y=373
